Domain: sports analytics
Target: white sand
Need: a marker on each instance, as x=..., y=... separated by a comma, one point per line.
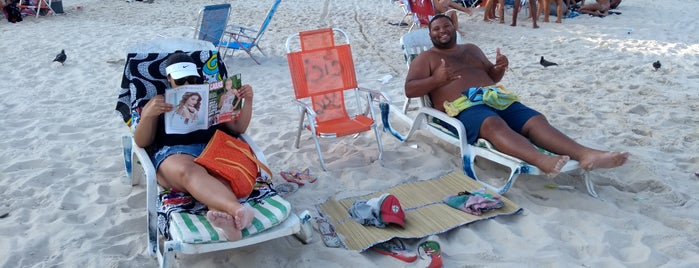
x=62, y=172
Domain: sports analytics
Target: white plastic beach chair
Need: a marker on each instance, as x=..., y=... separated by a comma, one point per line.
x=427, y=118
x=193, y=234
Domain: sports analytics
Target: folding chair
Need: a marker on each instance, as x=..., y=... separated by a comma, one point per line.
x=245, y=39
x=36, y=6
x=322, y=73
x=423, y=11
x=193, y=233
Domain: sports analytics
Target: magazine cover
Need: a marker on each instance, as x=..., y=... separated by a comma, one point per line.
x=188, y=114
x=201, y=106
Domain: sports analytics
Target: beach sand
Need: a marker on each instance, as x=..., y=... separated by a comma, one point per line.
x=65, y=202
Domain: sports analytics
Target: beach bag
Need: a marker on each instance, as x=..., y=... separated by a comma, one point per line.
x=233, y=160
x=12, y=12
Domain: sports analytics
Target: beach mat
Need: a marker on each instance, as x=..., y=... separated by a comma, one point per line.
x=425, y=213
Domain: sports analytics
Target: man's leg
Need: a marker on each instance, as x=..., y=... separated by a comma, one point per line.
x=506, y=140
x=541, y=133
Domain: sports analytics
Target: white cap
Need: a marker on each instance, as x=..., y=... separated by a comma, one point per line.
x=182, y=69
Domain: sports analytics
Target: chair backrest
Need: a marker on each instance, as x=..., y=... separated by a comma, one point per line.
x=318, y=38
x=212, y=22
x=323, y=74
x=422, y=10
x=268, y=19
x=416, y=42
x=144, y=77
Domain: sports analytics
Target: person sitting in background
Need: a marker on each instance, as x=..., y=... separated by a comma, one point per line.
x=448, y=71
x=442, y=6
x=599, y=9
x=174, y=153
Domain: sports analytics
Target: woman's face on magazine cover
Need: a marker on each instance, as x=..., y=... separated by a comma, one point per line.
x=192, y=100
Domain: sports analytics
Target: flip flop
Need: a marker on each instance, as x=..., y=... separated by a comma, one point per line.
x=431, y=249
x=290, y=176
x=327, y=232
x=395, y=248
x=299, y=176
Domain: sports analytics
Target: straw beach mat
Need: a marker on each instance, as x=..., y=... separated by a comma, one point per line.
x=425, y=213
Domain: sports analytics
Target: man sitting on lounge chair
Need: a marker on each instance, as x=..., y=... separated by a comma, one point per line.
x=448, y=71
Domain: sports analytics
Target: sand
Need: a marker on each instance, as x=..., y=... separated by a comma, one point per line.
x=65, y=202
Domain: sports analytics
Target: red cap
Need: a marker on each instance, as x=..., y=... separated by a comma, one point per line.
x=392, y=211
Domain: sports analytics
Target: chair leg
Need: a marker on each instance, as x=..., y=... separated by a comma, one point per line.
x=298, y=134
x=320, y=153
x=590, y=185
x=378, y=140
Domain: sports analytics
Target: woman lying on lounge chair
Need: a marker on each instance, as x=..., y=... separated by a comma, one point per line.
x=174, y=153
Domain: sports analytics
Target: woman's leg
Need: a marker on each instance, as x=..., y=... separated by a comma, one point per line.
x=180, y=172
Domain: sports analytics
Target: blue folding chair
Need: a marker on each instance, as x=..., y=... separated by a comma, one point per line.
x=244, y=38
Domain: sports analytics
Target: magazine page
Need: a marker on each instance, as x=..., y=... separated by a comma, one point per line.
x=190, y=111
x=224, y=100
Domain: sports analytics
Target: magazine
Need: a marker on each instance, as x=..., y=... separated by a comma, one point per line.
x=202, y=106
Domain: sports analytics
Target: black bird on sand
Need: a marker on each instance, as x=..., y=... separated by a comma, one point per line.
x=61, y=57
x=656, y=65
x=546, y=63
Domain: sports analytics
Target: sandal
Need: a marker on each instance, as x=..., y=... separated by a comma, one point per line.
x=298, y=176
x=395, y=248
x=431, y=249
x=327, y=232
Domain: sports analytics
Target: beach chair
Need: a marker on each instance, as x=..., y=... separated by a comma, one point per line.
x=428, y=118
x=423, y=11
x=322, y=73
x=190, y=233
x=212, y=25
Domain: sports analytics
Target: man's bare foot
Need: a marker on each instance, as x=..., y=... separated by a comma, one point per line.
x=226, y=223
x=597, y=160
x=513, y=24
x=535, y=26
x=243, y=217
x=552, y=166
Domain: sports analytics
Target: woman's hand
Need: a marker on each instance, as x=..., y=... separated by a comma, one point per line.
x=245, y=92
x=156, y=106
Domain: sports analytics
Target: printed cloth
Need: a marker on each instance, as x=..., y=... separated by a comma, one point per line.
x=495, y=96
x=171, y=201
x=475, y=203
x=144, y=77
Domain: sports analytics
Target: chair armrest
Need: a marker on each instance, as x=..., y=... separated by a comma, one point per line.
x=375, y=94
x=240, y=30
x=307, y=108
x=146, y=163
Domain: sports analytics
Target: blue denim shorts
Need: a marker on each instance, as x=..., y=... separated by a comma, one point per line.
x=190, y=149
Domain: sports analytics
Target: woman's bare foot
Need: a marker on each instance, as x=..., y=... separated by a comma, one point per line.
x=551, y=166
x=601, y=159
x=226, y=223
x=243, y=217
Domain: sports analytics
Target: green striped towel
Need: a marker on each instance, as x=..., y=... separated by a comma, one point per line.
x=190, y=228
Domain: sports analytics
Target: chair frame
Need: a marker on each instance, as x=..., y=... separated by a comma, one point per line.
x=239, y=34
x=483, y=149
x=165, y=250
x=308, y=114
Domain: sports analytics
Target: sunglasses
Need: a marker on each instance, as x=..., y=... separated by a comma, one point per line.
x=192, y=80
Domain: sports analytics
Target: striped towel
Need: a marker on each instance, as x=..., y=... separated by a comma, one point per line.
x=191, y=228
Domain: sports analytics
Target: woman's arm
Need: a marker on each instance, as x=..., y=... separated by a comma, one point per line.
x=148, y=124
